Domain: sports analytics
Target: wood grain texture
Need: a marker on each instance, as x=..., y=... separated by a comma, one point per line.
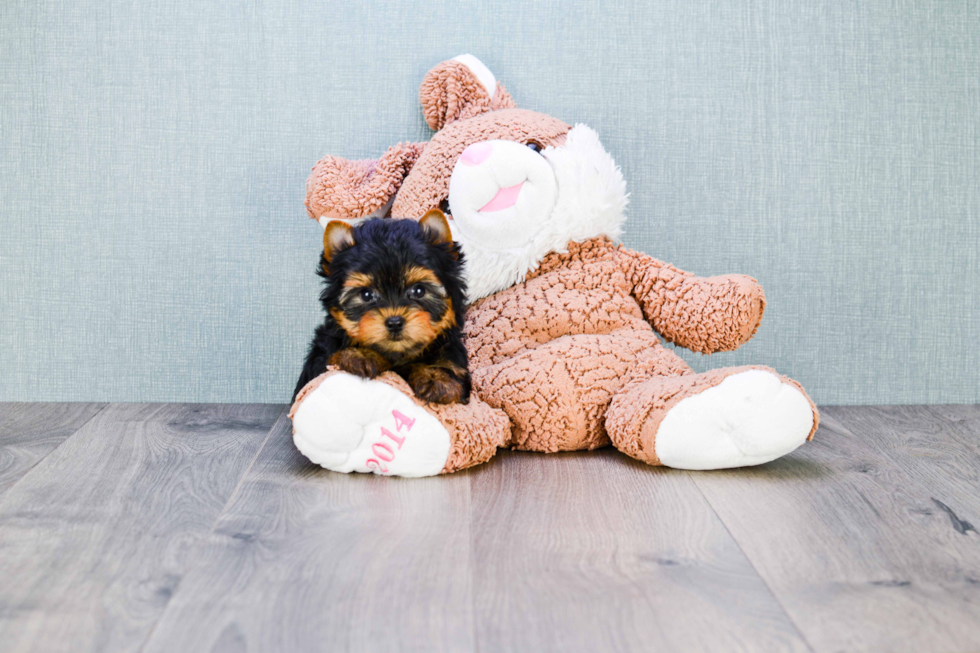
x=962, y=421
x=310, y=560
x=966, y=415
x=168, y=528
x=96, y=537
x=848, y=533
x=29, y=432
x=597, y=552
x=941, y=454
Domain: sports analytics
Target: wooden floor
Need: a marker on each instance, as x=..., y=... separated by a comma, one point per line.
x=177, y=528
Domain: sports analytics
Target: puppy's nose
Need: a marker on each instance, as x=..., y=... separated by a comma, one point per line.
x=395, y=323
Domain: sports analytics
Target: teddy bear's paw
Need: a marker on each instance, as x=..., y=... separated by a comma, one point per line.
x=750, y=418
x=349, y=424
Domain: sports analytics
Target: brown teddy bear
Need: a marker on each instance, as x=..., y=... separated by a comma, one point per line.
x=563, y=323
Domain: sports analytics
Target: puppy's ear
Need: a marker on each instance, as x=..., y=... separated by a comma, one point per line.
x=435, y=223
x=337, y=236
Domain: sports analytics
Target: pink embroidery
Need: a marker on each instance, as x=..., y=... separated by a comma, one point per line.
x=397, y=439
x=378, y=447
x=383, y=450
x=401, y=420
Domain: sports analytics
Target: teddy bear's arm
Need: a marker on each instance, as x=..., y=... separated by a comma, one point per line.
x=340, y=189
x=703, y=314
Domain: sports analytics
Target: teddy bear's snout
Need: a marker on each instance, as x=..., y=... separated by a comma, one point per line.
x=500, y=193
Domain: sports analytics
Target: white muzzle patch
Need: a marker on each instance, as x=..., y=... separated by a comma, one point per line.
x=500, y=194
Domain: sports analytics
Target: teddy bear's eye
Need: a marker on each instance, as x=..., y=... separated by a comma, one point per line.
x=444, y=206
x=535, y=146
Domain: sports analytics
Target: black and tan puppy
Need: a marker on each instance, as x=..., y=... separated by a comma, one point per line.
x=394, y=298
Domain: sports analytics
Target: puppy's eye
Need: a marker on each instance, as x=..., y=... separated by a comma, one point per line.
x=416, y=292
x=367, y=295
x=535, y=146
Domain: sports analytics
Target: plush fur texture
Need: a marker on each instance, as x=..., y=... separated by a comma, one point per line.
x=562, y=336
x=453, y=91
x=394, y=300
x=344, y=190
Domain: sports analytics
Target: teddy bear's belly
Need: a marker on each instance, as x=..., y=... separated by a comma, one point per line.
x=566, y=301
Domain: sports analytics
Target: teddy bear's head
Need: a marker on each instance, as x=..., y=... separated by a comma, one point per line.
x=516, y=184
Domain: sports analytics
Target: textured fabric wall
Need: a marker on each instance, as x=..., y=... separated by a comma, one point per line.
x=155, y=247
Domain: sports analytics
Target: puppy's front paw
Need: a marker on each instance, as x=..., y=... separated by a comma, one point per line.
x=437, y=385
x=360, y=362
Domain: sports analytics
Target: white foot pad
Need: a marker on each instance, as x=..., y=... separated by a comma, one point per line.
x=748, y=419
x=349, y=424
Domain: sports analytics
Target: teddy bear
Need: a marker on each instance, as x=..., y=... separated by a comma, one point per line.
x=565, y=327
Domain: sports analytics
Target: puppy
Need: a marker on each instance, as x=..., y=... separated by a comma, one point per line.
x=394, y=300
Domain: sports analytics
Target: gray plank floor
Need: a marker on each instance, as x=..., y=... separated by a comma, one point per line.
x=200, y=528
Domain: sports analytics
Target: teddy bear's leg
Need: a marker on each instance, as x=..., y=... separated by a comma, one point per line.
x=731, y=417
x=349, y=424
x=556, y=395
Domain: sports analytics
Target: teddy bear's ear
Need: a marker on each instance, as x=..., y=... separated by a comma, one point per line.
x=340, y=189
x=461, y=88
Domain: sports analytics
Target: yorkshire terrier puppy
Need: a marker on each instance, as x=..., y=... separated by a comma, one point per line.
x=394, y=297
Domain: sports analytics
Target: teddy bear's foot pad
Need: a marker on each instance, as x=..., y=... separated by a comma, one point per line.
x=750, y=418
x=349, y=424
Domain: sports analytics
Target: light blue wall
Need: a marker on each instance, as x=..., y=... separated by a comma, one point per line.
x=154, y=244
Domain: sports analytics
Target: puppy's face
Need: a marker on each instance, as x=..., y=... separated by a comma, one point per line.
x=385, y=292
x=395, y=309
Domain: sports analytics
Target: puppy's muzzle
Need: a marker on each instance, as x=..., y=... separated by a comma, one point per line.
x=395, y=324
